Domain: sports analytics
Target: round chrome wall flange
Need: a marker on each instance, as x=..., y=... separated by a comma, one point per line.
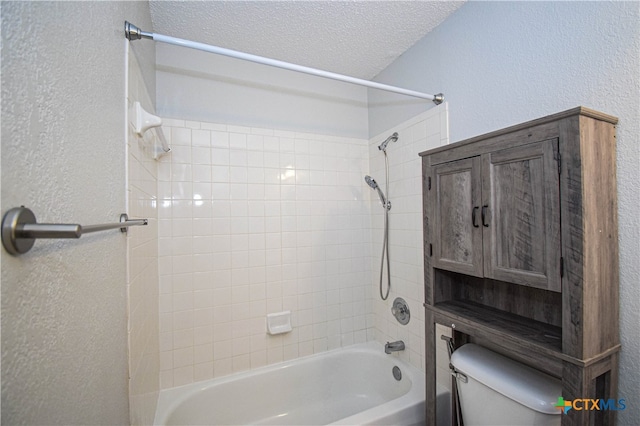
x=14, y=217
x=400, y=310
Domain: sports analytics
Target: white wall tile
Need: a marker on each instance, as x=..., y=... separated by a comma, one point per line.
x=251, y=217
x=201, y=138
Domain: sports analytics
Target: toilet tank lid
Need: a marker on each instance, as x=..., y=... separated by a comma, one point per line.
x=523, y=384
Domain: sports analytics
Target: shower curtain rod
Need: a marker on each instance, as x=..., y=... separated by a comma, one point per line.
x=134, y=33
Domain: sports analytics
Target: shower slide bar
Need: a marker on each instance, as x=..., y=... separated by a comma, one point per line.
x=132, y=33
x=20, y=229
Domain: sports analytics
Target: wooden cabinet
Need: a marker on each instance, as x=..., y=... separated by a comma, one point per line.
x=521, y=197
x=457, y=237
x=520, y=233
x=496, y=215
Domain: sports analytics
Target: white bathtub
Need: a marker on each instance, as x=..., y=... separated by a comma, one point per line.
x=349, y=386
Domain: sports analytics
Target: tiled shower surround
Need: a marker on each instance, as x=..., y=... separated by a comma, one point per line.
x=255, y=221
x=425, y=131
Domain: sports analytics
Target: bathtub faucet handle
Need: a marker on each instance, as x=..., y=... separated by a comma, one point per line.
x=394, y=347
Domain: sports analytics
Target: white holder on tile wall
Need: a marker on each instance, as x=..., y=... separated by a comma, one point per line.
x=279, y=322
x=144, y=121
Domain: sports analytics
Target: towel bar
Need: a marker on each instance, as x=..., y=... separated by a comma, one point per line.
x=20, y=229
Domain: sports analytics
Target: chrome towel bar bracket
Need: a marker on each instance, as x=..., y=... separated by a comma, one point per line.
x=20, y=229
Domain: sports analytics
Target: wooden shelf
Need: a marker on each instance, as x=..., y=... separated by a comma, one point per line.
x=504, y=325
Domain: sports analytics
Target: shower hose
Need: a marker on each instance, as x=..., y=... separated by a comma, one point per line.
x=385, y=239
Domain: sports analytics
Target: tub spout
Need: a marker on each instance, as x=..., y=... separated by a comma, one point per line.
x=394, y=347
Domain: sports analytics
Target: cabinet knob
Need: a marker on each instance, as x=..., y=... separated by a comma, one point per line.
x=473, y=217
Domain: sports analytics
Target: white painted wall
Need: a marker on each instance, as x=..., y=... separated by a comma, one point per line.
x=201, y=86
x=500, y=63
x=64, y=306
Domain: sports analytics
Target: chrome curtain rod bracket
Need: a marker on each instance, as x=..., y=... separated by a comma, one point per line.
x=20, y=229
x=132, y=32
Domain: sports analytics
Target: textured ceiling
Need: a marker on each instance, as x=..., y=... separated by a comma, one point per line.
x=356, y=38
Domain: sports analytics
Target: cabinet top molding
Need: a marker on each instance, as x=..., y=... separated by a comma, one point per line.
x=547, y=119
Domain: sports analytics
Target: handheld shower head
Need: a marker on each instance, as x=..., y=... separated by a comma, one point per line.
x=371, y=182
x=374, y=185
x=392, y=138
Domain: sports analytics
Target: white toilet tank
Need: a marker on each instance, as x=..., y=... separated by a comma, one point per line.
x=500, y=391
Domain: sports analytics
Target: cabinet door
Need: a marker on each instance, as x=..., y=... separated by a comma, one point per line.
x=455, y=198
x=521, y=215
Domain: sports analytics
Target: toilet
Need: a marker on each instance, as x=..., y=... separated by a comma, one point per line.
x=500, y=391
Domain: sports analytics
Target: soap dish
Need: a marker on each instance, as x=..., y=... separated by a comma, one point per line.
x=279, y=322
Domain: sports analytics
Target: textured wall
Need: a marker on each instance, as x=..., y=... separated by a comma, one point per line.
x=64, y=317
x=500, y=63
x=201, y=86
